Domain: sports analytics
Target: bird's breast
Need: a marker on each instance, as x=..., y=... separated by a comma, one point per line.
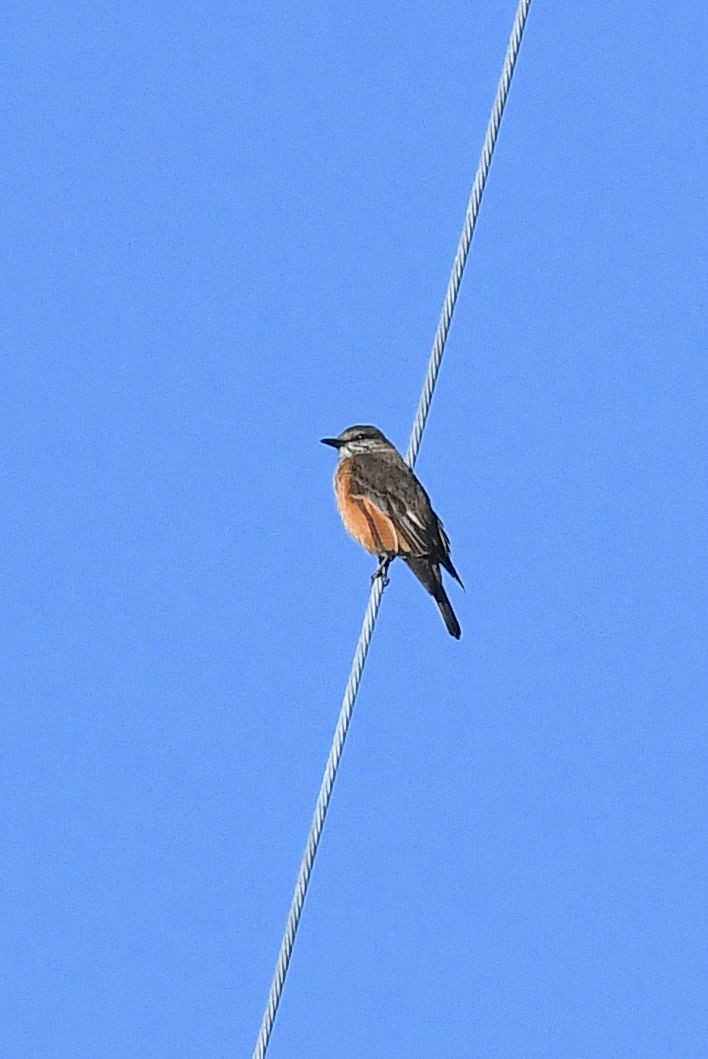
x=367, y=524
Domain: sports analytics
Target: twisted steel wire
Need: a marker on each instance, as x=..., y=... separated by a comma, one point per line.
x=377, y=588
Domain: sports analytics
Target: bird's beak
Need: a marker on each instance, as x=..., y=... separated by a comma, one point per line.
x=334, y=442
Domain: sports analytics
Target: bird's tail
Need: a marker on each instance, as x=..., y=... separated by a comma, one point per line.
x=428, y=574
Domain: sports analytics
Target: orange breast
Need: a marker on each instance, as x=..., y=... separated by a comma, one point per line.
x=374, y=530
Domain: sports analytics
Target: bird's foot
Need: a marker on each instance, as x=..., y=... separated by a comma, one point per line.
x=382, y=569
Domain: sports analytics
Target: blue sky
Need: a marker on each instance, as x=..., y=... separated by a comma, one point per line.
x=227, y=234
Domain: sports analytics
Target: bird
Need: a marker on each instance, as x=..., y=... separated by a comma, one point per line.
x=388, y=512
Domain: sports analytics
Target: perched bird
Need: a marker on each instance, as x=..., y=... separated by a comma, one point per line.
x=387, y=510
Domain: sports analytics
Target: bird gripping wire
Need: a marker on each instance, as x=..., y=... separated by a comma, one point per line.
x=372, y=610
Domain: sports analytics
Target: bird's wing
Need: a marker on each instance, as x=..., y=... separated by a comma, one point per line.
x=394, y=490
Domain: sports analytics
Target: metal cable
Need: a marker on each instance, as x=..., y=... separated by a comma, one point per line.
x=372, y=610
x=463, y=246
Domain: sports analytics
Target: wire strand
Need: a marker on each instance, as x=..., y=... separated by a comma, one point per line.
x=372, y=610
x=468, y=227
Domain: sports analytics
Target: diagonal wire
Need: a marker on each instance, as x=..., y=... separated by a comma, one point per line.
x=372, y=610
x=458, y=265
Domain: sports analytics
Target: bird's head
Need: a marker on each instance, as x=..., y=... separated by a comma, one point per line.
x=359, y=439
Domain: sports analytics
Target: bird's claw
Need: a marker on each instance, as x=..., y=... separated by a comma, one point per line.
x=382, y=571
